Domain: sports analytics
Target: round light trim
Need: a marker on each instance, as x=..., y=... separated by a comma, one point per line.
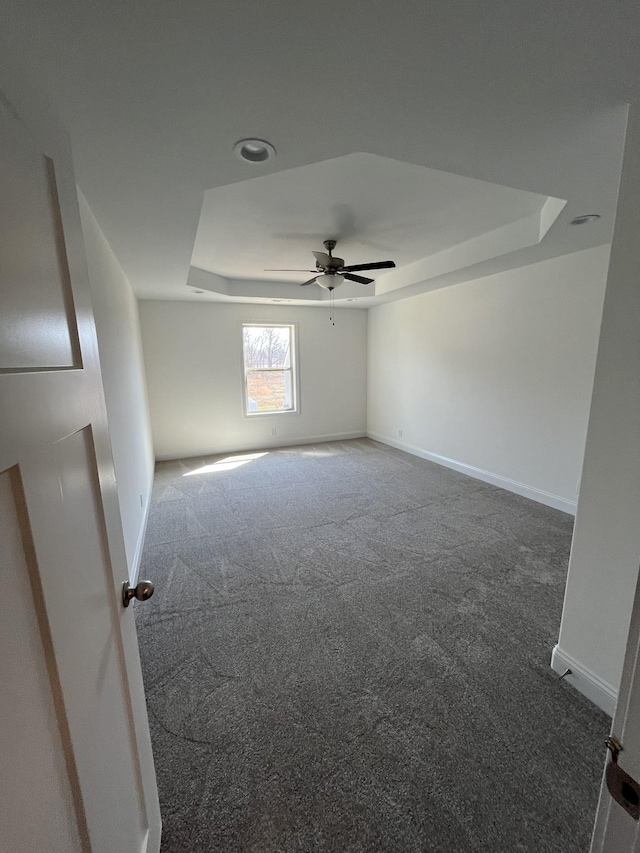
x=254, y=150
x=197, y=291
x=583, y=220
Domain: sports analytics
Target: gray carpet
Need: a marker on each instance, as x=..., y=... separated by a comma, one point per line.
x=348, y=650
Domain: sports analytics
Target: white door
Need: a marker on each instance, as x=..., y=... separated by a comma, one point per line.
x=613, y=439
x=76, y=770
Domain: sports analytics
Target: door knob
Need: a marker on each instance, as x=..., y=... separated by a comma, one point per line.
x=142, y=591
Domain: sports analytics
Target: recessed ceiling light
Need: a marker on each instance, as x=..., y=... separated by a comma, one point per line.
x=281, y=300
x=587, y=217
x=353, y=299
x=197, y=291
x=254, y=150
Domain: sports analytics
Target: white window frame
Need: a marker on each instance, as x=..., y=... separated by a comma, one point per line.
x=293, y=333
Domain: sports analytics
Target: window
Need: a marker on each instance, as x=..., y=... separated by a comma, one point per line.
x=269, y=380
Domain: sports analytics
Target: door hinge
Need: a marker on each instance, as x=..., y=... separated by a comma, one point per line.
x=614, y=746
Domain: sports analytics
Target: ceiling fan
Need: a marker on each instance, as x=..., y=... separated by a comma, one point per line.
x=331, y=271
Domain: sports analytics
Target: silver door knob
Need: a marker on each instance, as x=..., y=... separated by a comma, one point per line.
x=142, y=591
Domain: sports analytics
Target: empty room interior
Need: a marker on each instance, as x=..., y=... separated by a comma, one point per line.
x=364, y=282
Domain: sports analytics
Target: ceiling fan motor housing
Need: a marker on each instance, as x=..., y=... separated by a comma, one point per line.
x=334, y=265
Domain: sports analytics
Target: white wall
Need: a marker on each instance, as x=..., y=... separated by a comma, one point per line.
x=494, y=376
x=605, y=555
x=193, y=359
x=118, y=331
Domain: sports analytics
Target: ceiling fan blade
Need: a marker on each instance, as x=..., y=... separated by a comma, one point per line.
x=322, y=258
x=270, y=270
x=311, y=281
x=380, y=265
x=360, y=279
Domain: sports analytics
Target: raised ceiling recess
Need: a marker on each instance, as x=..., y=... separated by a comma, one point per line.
x=431, y=223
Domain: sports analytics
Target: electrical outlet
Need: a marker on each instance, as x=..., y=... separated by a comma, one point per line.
x=274, y=431
x=399, y=433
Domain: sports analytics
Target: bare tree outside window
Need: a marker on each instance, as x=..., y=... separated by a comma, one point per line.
x=268, y=369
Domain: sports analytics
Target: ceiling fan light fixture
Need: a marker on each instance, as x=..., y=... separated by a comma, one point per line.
x=254, y=150
x=330, y=280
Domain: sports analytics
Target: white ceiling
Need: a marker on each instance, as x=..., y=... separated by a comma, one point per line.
x=377, y=207
x=527, y=96
x=428, y=222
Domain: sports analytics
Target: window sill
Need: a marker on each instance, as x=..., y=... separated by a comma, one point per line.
x=251, y=415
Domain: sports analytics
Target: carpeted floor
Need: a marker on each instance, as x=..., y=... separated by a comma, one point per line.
x=348, y=650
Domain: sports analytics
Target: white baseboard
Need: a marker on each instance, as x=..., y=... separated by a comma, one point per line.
x=134, y=568
x=585, y=681
x=253, y=445
x=534, y=494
